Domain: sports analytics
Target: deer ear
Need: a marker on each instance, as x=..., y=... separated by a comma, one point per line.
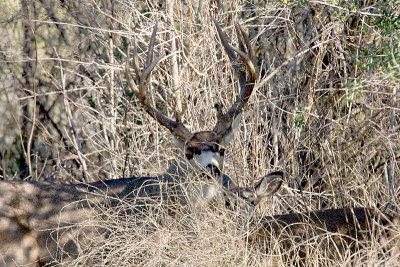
x=268, y=185
x=228, y=137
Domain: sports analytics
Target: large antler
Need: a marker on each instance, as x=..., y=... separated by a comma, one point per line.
x=176, y=127
x=225, y=121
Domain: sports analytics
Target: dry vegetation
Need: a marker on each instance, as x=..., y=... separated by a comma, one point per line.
x=326, y=110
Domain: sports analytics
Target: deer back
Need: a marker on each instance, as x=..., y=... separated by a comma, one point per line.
x=335, y=231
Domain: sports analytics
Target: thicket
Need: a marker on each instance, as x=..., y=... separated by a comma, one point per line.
x=326, y=109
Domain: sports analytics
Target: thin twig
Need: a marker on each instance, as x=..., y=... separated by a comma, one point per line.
x=29, y=144
x=76, y=140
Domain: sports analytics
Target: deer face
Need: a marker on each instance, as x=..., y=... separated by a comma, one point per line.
x=264, y=187
x=205, y=151
x=205, y=154
x=243, y=200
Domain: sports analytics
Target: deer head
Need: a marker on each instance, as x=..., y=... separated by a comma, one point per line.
x=203, y=150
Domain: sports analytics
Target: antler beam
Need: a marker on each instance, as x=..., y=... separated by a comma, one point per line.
x=246, y=85
x=176, y=127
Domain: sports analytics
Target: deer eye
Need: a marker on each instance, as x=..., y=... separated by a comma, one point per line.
x=222, y=151
x=189, y=156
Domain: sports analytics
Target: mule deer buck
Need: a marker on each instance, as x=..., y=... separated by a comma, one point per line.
x=37, y=219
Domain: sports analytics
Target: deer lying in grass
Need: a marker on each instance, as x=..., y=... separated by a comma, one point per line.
x=44, y=223
x=37, y=218
x=336, y=232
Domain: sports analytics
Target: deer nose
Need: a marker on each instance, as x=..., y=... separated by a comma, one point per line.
x=214, y=170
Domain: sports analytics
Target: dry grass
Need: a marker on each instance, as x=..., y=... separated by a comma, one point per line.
x=198, y=238
x=212, y=236
x=330, y=114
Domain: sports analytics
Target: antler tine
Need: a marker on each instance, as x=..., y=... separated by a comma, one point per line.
x=242, y=33
x=176, y=127
x=246, y=85
x=150, y=50
x=224, y=42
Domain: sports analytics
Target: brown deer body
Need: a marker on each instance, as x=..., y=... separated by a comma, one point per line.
x=45, y=222
x=336, y=232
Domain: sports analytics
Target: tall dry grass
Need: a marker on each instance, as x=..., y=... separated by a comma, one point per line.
x=328, y=115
